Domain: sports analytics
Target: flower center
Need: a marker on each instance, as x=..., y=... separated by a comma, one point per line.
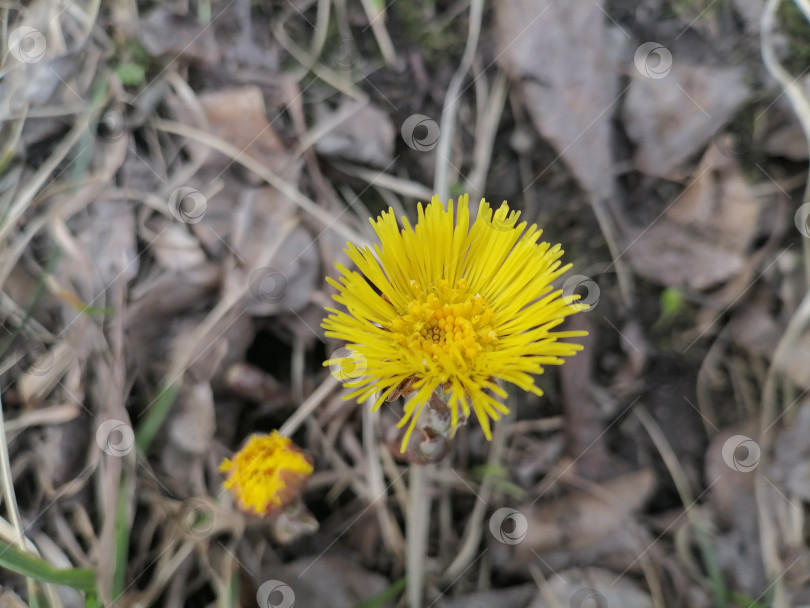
x=446, y=320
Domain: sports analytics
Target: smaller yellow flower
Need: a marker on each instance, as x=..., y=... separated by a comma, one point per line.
x=267, y=474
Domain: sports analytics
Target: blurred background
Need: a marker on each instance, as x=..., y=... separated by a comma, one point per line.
x=178, y=178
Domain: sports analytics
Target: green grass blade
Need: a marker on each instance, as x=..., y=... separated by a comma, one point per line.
x=36, y=568
x=155, y=416
x=389, y=594
x=121, y=540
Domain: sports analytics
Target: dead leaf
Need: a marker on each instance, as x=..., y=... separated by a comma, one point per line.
x=756, y=330
x=582, y=518
x=703, y=237
x=671, y=118
x=333, y=581
x=734, y=508
x=287, y=282
x=239, y=116
x=566, y=61
x=364, y=136
x=751, y=13
x=176, y=249
x=162, y=32
x=577, y=587
x=787, y=141
x=511, y=597
x=790, y=468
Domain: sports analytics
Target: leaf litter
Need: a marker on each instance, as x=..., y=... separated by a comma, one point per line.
x=176, y=232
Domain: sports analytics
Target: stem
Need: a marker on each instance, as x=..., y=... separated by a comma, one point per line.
x=416, y=539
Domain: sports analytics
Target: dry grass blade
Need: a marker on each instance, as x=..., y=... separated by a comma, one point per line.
x=441, y=182
x=283, y=186
x=30, y=189
x=290, y=121
x=474, y=528
x=401, y=186
x=793, y=91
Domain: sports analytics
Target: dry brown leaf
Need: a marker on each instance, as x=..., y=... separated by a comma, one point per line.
x=672, y=117
x=565, y=60
x=582, y=518
x=790, y=467
x=162, y=32
x=787, y=141
x=702, y=239
x=239, y=116
x=511, y=597
x=176, y=249
x=365, y=136
x=756, y=330
x=734, y=508
x=328, y=580
x=287, y=282
x=751, y=13
x=109, y=238
x=578, y=587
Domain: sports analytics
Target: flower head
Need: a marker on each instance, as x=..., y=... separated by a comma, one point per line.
x=266, y=474
x=452, y=306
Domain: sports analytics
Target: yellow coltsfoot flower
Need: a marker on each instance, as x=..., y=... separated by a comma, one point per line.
x=452, y=305
x=267, y=474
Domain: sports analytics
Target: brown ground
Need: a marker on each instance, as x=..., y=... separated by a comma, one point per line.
x=178, y=178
